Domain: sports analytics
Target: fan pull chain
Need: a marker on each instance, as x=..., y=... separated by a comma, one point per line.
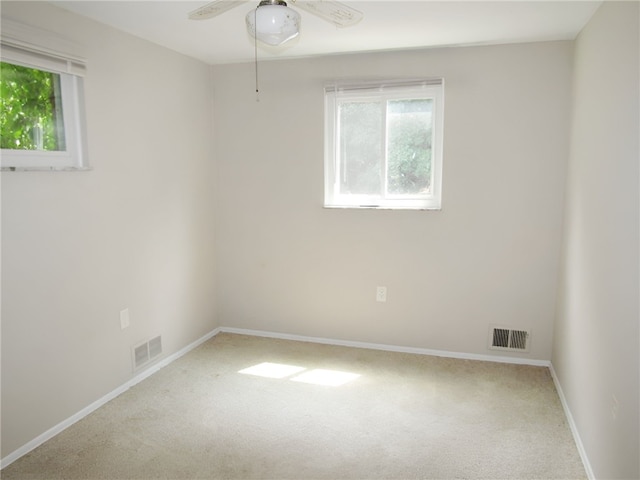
x=255, y=45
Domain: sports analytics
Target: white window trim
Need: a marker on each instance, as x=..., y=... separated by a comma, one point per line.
x=34, y=48
x=433, y=89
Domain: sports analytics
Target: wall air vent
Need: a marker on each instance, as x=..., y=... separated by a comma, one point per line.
x=146, y=352
x=504, y=338
x=155, y=347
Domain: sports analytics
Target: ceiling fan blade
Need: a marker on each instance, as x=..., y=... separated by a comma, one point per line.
x=339, y=14
x=214, y=9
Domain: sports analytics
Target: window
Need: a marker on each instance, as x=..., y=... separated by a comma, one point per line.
x=41, y=109
x=383, y=145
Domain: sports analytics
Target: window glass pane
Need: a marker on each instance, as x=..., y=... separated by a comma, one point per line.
x=409, y=146
x=31, y=109
x=360, y=154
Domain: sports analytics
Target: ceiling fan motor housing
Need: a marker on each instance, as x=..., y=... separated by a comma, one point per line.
x=272, y=2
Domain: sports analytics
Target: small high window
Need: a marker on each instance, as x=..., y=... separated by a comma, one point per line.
x=41, y=109
x=383, y=145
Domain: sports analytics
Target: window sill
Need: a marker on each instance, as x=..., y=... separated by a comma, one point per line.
x=380, y=207
x=45, y=169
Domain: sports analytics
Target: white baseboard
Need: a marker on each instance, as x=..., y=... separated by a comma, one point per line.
x=572, y=425
x=52, y=432
x=389, y=348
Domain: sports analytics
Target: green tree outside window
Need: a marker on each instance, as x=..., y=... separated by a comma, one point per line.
x=31, y=109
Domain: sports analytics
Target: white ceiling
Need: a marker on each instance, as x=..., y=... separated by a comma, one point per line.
x=387, y=25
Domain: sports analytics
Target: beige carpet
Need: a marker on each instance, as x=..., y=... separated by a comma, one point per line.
x=405, y=416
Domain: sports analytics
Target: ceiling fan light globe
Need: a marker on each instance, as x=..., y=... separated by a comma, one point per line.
x=274, y=24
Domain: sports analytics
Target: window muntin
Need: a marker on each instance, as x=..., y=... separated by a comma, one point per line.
x=384, y=146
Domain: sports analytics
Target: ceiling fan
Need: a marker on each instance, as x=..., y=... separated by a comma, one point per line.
x=274, y=23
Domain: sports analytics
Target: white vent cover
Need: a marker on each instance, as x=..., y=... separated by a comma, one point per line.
x=504, y=338
x=146, y=352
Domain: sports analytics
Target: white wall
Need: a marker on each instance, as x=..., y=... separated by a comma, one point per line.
x=491, y=256
x=136, y=231
x=595, y=352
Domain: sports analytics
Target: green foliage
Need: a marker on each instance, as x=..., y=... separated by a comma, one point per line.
x=29, y=110
x=409, y=153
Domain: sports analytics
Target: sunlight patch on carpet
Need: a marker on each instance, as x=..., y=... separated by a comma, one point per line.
x=272, y=370
x=318, y=376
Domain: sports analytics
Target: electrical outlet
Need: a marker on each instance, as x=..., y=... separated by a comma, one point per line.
x=124, y=318
x=381, y=294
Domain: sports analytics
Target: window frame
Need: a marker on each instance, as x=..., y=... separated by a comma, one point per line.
x=432, y=89
x=21, y=45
